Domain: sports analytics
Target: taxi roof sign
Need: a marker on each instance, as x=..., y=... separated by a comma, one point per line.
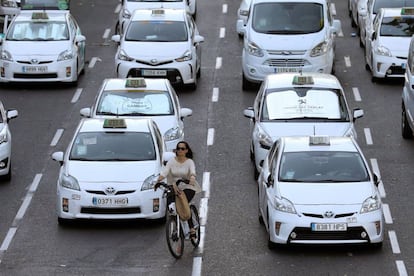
x=158, y=12
x=40, y=15
x=45, y=4
x=302, y=80
x=319, y=140
x=114, y=123
x=135, y=83
x=407, y=11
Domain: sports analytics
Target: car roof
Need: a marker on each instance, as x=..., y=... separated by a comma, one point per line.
x=159, y=14
x=120, y=124
x=120, y=84
x=287, y=80
x=302, y=143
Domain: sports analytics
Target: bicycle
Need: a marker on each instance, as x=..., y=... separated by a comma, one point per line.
x=178, y=230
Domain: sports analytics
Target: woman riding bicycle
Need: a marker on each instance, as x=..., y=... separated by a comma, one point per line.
x=182, y=167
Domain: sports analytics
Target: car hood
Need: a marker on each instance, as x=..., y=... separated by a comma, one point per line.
x=111, y=172
x=276, y=130
x=151, y=50
x=326, y=193
x=397, y=45
x=286, y=42
x=25, y=49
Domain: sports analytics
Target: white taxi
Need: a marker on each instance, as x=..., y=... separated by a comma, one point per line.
x=142, y=98
x=109, y=169
x=160, y=43
x=386, y=49
x=290, y=104
x=42, y=46
x=6, y=141
x=9, y=7
x=319, y=190
x=128, y=7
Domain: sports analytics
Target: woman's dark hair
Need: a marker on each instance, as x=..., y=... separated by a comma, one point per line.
x=189, y=153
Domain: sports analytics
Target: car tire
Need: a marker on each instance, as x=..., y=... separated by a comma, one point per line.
x=246, y=84
x=198, y=75
x=8, y=176
x=64, y=222
x=376, y=246
x=406, y=131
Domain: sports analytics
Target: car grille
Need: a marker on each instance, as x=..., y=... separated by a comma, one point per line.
x=154, y=63
x=110, y=211
x=35, y=76
x=173, y=75
x=396, y=70
x=285, y=62
x=98, y=192
x=286, y=52
x=321, y=215
x=352, y=233
x=29, y=62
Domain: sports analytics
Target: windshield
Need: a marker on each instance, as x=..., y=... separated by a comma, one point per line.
x=135, y=103
x=32, y=31
x=288, y=18
x=158, y=31
x=397, y=26
x=391, y=4
x=113, y=146
x=322, y=166
x=304, y=103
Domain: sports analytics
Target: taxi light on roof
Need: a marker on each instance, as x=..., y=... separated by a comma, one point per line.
x=407, y=11
x=301, y=80
x=319, y=140
x=39, y=15
x=135, y=83
x=158, y=12
x=114, y=123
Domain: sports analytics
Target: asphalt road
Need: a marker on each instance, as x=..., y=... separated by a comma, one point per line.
x=234, y=243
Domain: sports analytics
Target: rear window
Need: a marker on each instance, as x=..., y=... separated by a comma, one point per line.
x=288, y=18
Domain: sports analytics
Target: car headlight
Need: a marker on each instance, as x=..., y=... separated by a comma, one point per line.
x=9, y=3
x=253, y=49
x=69, y=182
x=382, y=51
x=126, y=14
x=3, y=136
x=173, y=133
x=320, y=49
x=265, y=140
x=370, y=204
x=5, y=55
x=123, y=56
x=185, y=57
x=284, y=205
x=65, y=55
x=149, y=182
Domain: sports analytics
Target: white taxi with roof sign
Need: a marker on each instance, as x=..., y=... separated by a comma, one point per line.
x=386, y=48
x=142, y=98
x=109, y=169
x=42, y=46
x=160, y=43
x=290, y=104
x=319, y=190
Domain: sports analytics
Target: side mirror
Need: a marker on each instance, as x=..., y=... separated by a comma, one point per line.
x=11, y=114
x=198, y=39
x=185, y=112
x=240, y=26
x=249, y=113
x=358, y=113
x=376, y=180
x=86, y=112
x=80, y=38
x=116, y=38
x=269, y=181
x=336, y=26
x=58, y=156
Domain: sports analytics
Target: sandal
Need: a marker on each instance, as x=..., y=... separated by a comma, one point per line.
x=193, y=234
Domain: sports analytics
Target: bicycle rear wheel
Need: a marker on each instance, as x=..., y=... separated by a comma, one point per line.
x=196, y=222
x=175, y=238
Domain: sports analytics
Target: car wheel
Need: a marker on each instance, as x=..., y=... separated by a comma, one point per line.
x=198, y=75
x=360, y=43
x=353, y=24
x=64, y=222
x=376, y=246
x=407, y=132
x=8, y=176
x=246, y=84
x=117, y=28
x=193, y=86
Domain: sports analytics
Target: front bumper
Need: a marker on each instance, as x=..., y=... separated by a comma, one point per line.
x=146, y=204
x=52, y=71
x=388, y=67
x=5, y=154
x=175, y=72
x=287, y=228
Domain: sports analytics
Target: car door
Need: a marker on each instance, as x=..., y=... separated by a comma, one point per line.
x=195, y=46
x=79, y=46
x=371, y=40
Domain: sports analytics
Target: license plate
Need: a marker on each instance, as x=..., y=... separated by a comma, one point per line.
x=154, y=72
x=110, y=201
x=328, y=226
x=34, y=69
x=286, y=70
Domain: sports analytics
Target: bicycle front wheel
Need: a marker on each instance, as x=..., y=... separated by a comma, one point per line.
x=196, y=222
x=175, y=237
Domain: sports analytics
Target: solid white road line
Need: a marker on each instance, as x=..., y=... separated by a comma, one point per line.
x=219, y=62
x=357, y=96
x=394, y=242
x=224, y=8
x=7, y=240
x=203, y=211
x=206, y=184
x=222, y=32
x=347, y=61
x=368, y=136
x=402, y=271
x=214, y=97
x=56, y=138
x=387, y=213
x=197, y=266
x=210, y=136
x=106, y=33
x=76, y=96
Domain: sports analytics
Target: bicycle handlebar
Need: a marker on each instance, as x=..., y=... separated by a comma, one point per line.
x=166, y=186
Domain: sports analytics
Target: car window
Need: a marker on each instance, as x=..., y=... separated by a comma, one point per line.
x=397, y=26
x=391, y=4
x=156, y=31
x=29, y=30
x=113, y=146
x=282, y=18
x=322, y=166
x=135, y=103
x=304, y=103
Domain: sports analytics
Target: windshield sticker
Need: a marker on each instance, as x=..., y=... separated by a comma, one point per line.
x=91, y=140
x=146, y=103
x=81, y=150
